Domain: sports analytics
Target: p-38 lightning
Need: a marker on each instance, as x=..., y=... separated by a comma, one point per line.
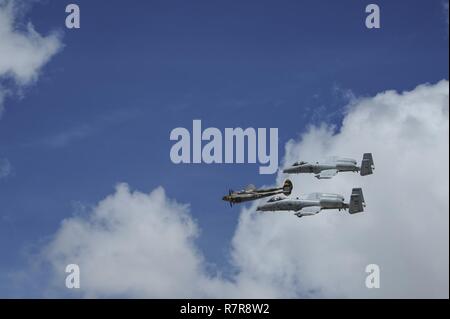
x=251, y=193
x=329, y=167
x=308, y=205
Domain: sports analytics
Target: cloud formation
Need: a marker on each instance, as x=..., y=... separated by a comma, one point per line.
x=133, y=244
x=405, y=228
x=23, y=51
x=143, y=245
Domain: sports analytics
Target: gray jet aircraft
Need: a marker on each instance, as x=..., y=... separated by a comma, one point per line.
x=331, y=166
x=312, y=204
x=252, y=193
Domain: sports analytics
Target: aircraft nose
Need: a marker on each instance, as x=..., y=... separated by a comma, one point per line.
x=225, y=198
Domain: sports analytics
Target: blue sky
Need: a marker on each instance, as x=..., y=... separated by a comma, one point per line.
x=103, y=108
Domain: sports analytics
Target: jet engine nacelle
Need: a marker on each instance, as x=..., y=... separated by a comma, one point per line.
x=331, y=201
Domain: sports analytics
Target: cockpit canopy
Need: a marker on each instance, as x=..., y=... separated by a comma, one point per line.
x=300, y=163
x=276, y=198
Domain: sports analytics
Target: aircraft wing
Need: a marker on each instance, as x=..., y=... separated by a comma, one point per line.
x=327, y=174
x=308, y=211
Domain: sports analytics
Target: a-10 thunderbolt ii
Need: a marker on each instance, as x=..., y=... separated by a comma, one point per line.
x=308, y=205
x=329, y=167
x=251, y=193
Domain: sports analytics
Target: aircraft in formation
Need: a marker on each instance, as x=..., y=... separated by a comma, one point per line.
x=329, y=167
x=252, y=193
x=310, y=204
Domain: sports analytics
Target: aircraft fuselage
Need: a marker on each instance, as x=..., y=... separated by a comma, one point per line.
x=246, y=197
x=325, y=201
x=340, y=164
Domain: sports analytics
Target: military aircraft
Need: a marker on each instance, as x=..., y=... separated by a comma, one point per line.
x=312, y=204
x=331, y=166
x=252, y=193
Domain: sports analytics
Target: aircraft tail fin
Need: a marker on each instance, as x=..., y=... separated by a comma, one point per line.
x=357, y=202
x=367, y=164
x=287, y=187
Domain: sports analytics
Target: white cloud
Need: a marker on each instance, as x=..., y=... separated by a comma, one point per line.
x=133, y=244
x=5, y=168
x=142, y=245
x=23, y=51
x=405, y=228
